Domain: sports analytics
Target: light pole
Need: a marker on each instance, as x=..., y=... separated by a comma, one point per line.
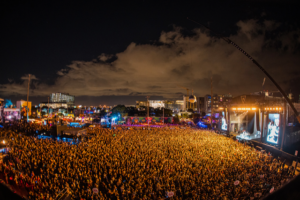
x=48, y=112
x=28, y=97
x=211, y=103
x=163, y=116
x=148, y=110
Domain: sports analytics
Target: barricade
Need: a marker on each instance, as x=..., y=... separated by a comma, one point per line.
x=276, y=152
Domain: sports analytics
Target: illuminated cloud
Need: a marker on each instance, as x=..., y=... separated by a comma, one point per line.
x=180, y=60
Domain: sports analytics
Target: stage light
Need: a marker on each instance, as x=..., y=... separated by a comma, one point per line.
x=3, y=142
x=279, y=108
x=276, y=108
x=253, y=108
x=233, y=108
x=239, y=109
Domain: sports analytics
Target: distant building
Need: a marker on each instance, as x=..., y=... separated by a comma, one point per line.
x=218, y=101
x=189, y=102
x=62, y=98
x=59, y=101
x=200, y=104
x=53, y=105
x=127, y=106
x=23, y=104
x=152, y=103
x=175, y=106
x=1, y=102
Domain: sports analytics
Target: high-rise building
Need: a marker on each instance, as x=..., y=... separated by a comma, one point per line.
x=190, y=102
x=176, y=105
x=62, y=98
x=200, y=104
x=152, y=103
x=218, y=101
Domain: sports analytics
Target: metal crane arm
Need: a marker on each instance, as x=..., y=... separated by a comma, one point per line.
x=258, y=65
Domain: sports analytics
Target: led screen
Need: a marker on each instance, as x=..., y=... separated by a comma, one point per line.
x=224, y=124
x=273, y=128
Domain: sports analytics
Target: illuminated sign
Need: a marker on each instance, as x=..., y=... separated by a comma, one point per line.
x=244, y=109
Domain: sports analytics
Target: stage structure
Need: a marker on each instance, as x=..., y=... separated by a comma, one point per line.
x=255, y=122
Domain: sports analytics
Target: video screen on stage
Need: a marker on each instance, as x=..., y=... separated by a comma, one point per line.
x=273, y=128
x=224, y=124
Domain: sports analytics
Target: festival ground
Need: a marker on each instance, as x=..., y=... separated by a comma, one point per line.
x=143, y=164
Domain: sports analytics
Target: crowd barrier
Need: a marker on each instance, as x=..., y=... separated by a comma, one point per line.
x=276, y=152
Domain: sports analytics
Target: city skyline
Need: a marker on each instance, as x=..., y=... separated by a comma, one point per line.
x=124, y=67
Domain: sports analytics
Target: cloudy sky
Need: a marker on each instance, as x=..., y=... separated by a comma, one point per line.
x=119, y=53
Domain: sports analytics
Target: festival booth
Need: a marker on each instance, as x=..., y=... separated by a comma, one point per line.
x=9, y=114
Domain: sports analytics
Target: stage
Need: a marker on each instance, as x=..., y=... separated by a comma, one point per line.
x=247, y=136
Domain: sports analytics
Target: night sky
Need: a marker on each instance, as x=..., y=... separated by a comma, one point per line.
x=118, y=52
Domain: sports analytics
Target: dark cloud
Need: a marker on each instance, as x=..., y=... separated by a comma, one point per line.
x=178, y=59
x=154, y=87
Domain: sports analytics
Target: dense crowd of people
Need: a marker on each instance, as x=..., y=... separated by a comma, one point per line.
x=142, y=164
x=27, y=128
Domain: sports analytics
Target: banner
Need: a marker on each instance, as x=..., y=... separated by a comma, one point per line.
x=95, y=190
x=170, y=194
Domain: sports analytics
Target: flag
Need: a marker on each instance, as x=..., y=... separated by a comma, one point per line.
x=264, y=81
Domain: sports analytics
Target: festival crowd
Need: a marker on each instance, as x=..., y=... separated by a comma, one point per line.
x=27, y=128
x=142, y=164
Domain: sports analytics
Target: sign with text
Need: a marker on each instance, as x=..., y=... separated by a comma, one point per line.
x=170, y=194
x=95, y=190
